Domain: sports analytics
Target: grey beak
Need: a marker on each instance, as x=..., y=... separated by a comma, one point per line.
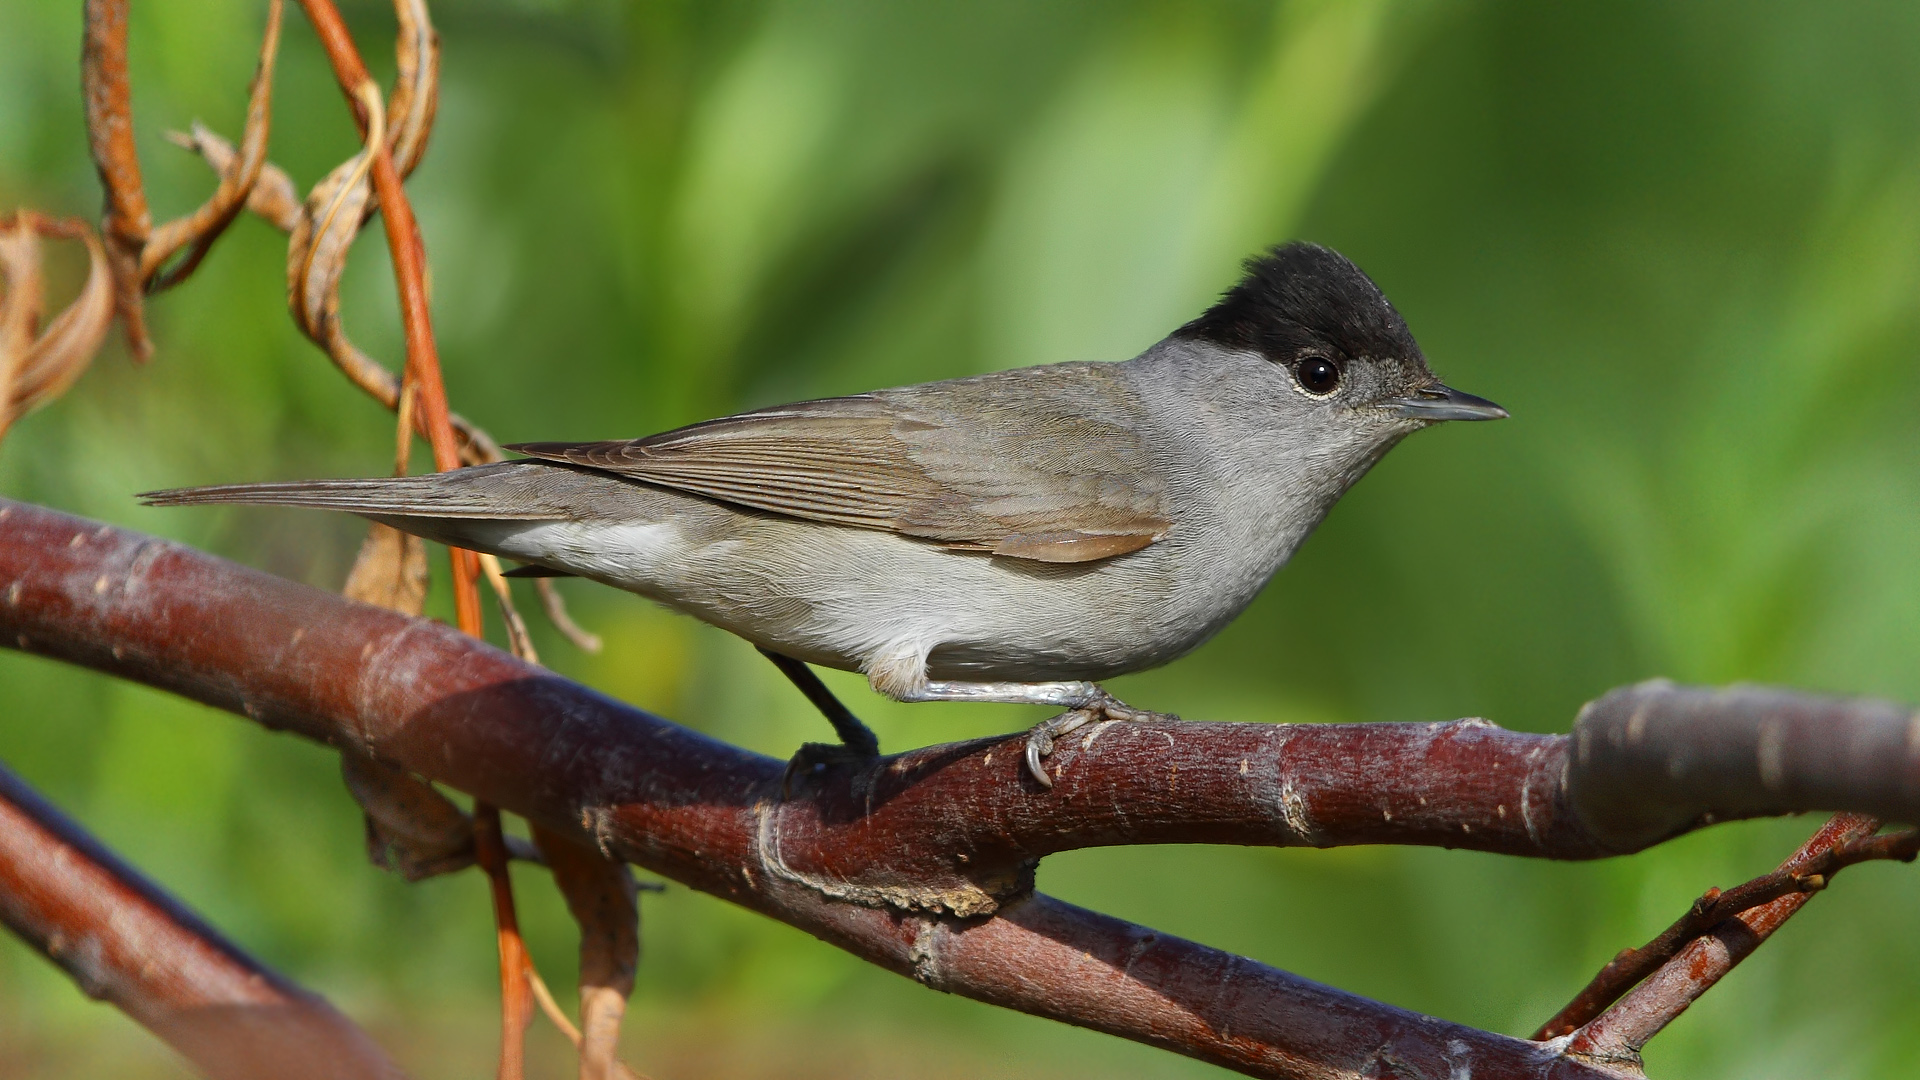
x=1443, y=402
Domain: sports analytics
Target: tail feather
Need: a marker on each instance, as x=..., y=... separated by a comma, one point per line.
x=486, y=491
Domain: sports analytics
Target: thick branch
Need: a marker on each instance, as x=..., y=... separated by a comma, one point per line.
x=955, y=826
x=710, y=815
x=1656, y=760
x=125, y=941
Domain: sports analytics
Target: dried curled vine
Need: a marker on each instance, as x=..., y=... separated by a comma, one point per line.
x=411, y=827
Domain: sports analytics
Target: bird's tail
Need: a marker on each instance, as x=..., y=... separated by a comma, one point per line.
x=502, y=509
x=502, y=491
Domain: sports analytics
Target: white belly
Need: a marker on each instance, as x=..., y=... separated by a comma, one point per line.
x=841, y=597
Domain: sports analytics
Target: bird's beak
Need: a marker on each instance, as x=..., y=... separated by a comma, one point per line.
x=1443, y=402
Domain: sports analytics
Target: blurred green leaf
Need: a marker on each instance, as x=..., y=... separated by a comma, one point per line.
x=1680, y=242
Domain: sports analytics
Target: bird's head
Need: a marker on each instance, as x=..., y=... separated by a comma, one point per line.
x=1347, y=354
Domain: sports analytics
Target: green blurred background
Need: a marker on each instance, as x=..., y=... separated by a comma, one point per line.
x=1680, y=242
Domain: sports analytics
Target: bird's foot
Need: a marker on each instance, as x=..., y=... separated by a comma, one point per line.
x=815, y=758
x=1100, y=706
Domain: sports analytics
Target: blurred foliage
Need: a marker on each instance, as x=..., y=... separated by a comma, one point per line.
x=1680, y=242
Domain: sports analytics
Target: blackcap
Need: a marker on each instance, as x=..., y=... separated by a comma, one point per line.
x=1013, y=537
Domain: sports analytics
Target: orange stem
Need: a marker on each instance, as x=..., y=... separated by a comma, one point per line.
x=516, y=993
x=409, y=271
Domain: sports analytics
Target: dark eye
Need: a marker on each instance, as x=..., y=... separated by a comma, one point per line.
x=1317, y=375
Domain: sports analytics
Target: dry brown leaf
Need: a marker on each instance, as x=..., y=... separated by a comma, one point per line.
x=56, y=358
x=416, y=87
x=603, y=898
x=317, y=249
x=22, y=303
x=412, y=829
x=390, y=571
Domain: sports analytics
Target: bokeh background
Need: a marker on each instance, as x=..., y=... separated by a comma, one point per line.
x=1681, y=242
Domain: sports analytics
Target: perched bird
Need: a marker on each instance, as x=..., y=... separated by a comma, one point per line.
x=1011, y=537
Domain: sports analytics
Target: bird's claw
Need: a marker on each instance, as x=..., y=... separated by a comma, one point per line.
x=1040, y=740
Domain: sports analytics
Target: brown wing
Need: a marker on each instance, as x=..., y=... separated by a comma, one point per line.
x=1042, y=463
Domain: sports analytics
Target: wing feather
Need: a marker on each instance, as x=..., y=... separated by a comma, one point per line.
x=1045, y=464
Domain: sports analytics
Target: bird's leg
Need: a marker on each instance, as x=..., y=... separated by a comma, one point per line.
x=857, y=740
x=854, y=735
x=1085, y=703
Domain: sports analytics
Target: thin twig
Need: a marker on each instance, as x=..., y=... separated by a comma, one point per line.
x=556, y=608
x=1618, y=1034
x=1811, y=870
x=519, y=642
x=559, y=1018
x=274, y=197
x=138, y=252
x=198, y=230
x=516, y=1002
x=109, y=106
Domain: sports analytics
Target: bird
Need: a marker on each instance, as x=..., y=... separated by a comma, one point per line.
x=1018, y=536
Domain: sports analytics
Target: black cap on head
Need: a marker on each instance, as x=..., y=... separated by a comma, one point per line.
x=1300, y=297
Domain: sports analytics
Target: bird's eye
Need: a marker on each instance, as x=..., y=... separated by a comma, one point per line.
x=1317, y=375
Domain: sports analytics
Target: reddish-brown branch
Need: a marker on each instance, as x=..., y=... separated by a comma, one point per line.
x=1619, y=1033
x=109, y=107
x=462, y=713
x=126, y=941
x=1808, y=871
x=958, y=817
